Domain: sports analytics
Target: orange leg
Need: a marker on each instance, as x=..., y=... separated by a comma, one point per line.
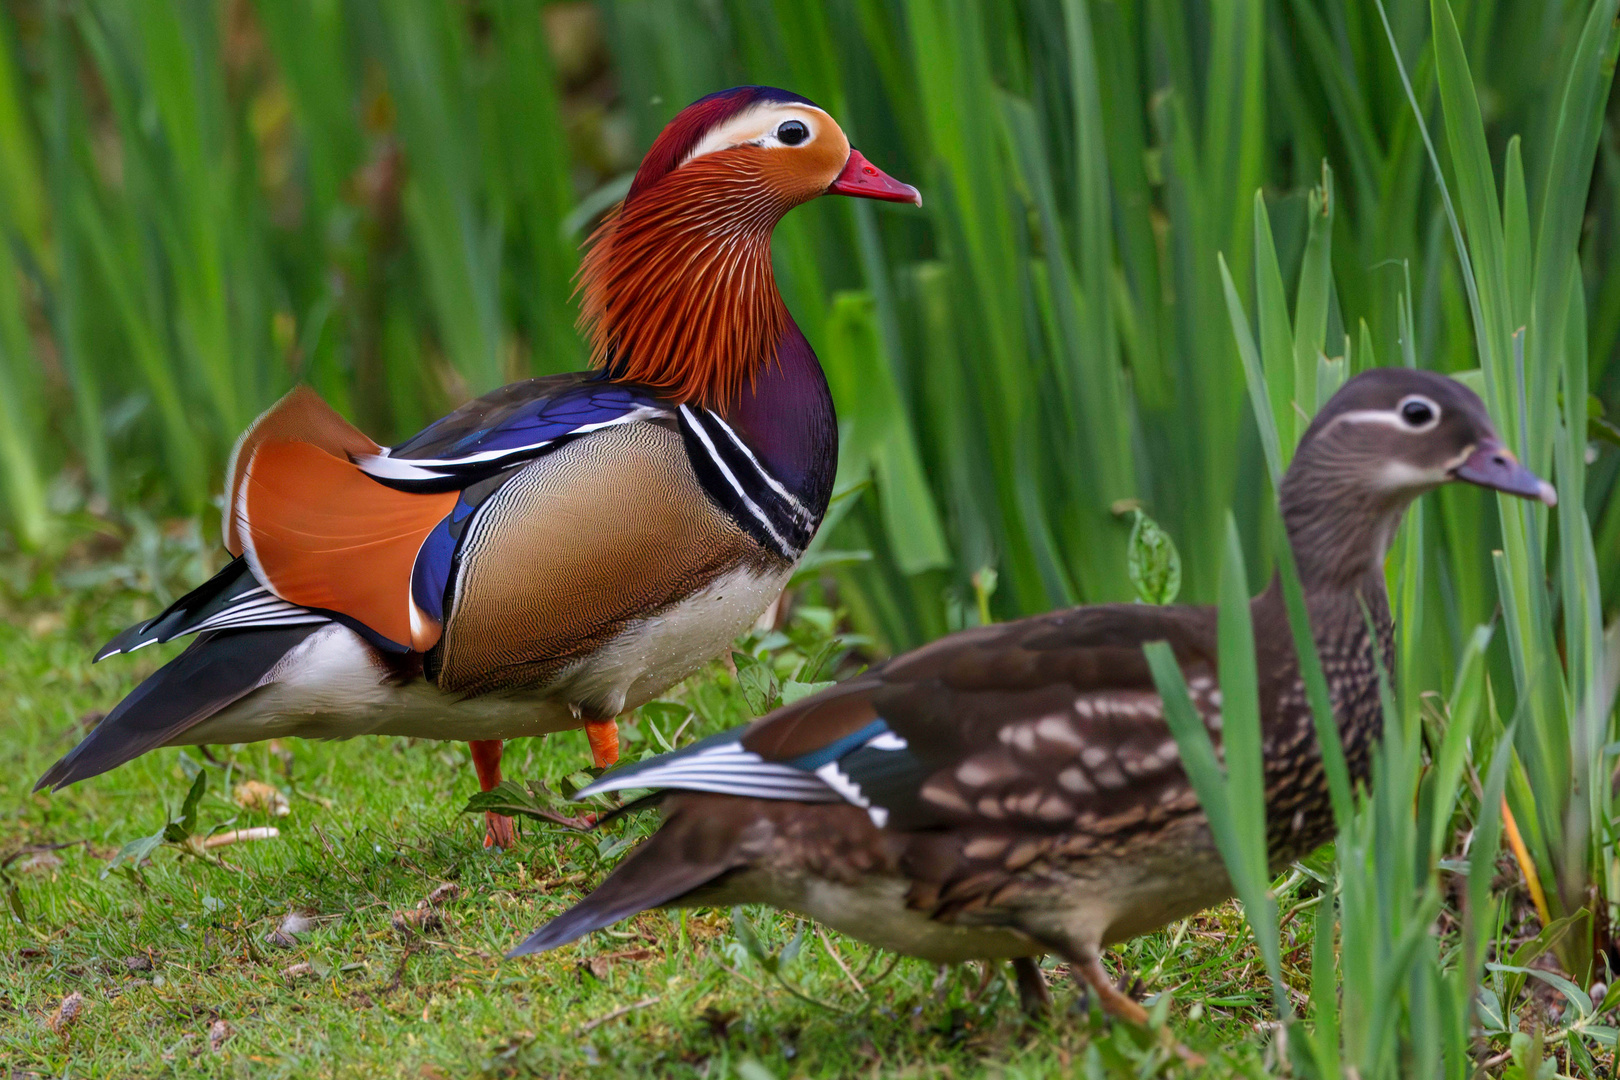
x=486, y=755
x=604, y=737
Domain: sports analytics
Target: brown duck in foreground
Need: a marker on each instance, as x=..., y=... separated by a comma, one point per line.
x=1013, y=790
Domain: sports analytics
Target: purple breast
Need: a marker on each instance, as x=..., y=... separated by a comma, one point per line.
x=786, y=417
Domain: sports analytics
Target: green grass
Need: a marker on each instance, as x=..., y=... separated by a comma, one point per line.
x=373, y=829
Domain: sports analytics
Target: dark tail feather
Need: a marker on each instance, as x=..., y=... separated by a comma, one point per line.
x=232, y=599
x=206, y=599
x=689, y=851
x=216, y=670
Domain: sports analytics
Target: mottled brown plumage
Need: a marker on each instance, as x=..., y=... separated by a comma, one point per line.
x=1014, y=790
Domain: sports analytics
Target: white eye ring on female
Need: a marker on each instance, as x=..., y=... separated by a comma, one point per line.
x=1417, y=412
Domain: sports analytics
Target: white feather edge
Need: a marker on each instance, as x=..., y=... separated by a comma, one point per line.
x=384, y=467
x=727, y=769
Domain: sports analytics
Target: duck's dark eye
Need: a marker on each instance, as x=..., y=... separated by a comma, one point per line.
x=1417, y=412
x=792, y=133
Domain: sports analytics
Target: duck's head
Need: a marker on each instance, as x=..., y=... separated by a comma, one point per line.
x=1388, y=436
x=677, y=288
x=777, y=145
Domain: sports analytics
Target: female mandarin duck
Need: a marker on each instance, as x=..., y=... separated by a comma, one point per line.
x=560, y=550
x=1014, y=790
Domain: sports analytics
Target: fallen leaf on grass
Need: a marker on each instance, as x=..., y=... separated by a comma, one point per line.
x=132, y=964
x=297, y=971
x=420, y=919
x=598, y=966
x=66, y=1014
x=40, y=860
x=443, y=894
x=241, y=836
x=218, y=1032
x=258, y=795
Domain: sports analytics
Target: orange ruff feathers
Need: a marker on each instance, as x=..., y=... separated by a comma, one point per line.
x=676, y=290
x=319, y=532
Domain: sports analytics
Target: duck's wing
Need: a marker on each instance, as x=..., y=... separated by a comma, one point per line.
x=1050, y=724
x=330, y=522
x=507, y=427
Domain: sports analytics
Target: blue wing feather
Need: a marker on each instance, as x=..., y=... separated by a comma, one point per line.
x=506, y=427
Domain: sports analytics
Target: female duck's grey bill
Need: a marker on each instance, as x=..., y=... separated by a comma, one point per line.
x=1492, y=465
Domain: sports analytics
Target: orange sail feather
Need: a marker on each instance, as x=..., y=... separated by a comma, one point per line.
x=321, y=533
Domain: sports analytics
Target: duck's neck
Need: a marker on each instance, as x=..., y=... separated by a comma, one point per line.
x=678, y=290
x=1339, y=528
x=1339, y=536
x=786, y=415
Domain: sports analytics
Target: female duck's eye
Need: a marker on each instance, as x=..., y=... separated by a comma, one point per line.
x=792, y=133
x=1417, y=412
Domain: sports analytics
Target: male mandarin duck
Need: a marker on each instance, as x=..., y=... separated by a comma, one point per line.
x=560, y=550
x=1014, y=790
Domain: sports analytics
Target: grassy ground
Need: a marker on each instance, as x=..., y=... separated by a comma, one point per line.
x=180, y=969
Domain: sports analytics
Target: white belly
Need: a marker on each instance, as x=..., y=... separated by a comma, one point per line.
x=874, y=911
x=333, y=687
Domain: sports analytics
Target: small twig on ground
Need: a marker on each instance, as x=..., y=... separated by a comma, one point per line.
x=839, y=960
x=399, y=971
x=240, y=836
x=728, y=969
x=463, y=949
x=319, y=800
x=616, y=1013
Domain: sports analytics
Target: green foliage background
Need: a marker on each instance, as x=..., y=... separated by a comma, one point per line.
x=204, y=202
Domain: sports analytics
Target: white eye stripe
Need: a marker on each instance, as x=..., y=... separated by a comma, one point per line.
x=757, y=127
x=1386, y=417
x=1392, y=417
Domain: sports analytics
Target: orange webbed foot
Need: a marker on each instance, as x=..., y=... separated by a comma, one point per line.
x=498, y=832
x=486, y=755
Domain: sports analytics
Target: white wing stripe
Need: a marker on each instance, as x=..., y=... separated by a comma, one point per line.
x=236, y=624
x=742, y=789
x=723, y=769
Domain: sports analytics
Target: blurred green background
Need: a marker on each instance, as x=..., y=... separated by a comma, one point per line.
x=203, y=202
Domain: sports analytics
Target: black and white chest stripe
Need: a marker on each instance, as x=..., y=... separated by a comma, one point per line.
x=743, y=487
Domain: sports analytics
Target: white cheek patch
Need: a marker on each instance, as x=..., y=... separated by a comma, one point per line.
x=757, y=127
x=1404, y=476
